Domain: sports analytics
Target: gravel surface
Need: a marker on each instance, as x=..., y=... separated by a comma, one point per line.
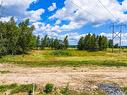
x=78, y=77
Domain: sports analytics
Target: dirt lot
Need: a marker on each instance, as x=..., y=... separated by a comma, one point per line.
x=77, y=77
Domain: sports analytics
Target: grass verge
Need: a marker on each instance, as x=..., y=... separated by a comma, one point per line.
x=15, y=88
x=105, y=63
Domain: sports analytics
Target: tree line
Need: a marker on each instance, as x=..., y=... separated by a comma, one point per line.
x=47, y=42
x=18, y=38
x=91, y=42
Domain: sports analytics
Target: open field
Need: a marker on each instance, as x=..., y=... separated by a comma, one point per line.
x=71, y=57
x=81, y=69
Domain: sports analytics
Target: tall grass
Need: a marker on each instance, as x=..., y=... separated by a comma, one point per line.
x=70, y=57
x=60, y=53
x=15, y=88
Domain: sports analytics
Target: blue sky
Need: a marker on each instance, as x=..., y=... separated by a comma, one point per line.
x=74, y=18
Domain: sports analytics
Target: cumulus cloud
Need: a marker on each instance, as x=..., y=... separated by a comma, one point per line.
x=35, y=15
x=52, y=7
x=18, y=9
x=81, y=12
x=15, y=8
x=5, y=19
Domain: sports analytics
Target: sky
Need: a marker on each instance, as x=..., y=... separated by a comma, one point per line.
x=75, y=18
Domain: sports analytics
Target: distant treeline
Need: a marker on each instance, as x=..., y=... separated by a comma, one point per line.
x=91, y=42
x=44, y=42
x=18, y=38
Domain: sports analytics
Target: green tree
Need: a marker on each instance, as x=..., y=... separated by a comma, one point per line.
x=103, y=43
x=91, y=42
x=81, y=43
x=110, y=43
x=15, y=38
x=65, y=41
x=87, y=42
x=25, y=36
x=38, y=42
x=42, y=43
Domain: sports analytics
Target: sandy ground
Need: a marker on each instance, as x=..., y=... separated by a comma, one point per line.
x=77, y=77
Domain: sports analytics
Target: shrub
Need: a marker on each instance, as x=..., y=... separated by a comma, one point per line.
x=48, y=88
x=60, y=53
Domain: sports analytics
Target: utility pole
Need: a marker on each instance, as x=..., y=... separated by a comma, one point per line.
x=121, y=31
x=117, y=35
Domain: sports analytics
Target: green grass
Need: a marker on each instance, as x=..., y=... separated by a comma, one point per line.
x=4, y=72
x=15, y=88
x=125, y=90
x=4, y=88
x=22, y=88
x=70, y=57
x=60, y=53
x=71, y=63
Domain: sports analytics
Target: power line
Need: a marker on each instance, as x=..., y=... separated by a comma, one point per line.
x=114, y=34
x=107, y=9
x=117, y=35
x=84, y=10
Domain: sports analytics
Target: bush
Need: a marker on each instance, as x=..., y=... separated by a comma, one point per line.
x=48, y=88
x=60, y=53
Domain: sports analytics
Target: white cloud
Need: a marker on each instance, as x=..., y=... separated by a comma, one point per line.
x=58, y=22
x=81, y=12
x=35, y=15
x=5, y=19
x=52, y=7
x=18, y=9
x=15, y=8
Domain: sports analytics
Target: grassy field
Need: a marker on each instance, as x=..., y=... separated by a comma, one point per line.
x=25, y=89
x=70, y=57
x=58, y=58
x=16, y=89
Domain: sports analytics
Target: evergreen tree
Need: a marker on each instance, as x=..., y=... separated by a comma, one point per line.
x=66, y=42
x=45, y=42
x=102, y=43
x=87, y=42
x=81, y=43
x=116, y=46
x=38, y=42
x=91, y=42
x=110, y=43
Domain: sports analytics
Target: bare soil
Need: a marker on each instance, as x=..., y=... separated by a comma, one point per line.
x=77, y=77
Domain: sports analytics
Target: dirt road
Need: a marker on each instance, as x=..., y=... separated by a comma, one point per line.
x=77, y=77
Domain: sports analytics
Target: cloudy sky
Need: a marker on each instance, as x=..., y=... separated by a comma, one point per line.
x=74, y=18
